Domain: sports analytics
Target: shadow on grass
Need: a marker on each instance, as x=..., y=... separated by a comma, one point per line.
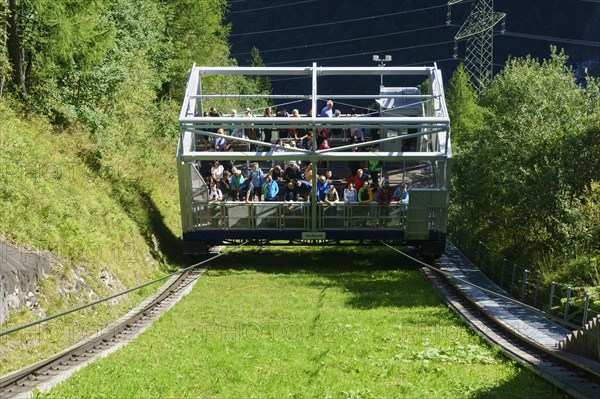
x=138, y=204
x=523, y=384
x=373, y=276
x=315, y=259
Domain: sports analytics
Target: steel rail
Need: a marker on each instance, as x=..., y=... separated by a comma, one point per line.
x=572, y=374
x=48, y=372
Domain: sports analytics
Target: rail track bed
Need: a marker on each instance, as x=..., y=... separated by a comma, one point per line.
x=520, y=333
x=47, y=373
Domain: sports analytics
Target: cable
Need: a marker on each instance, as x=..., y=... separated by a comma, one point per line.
x=550, y=38
x=342, y=41
x=363, y=53
x=87, y=305
x=336, y=22
x=294, y=78
x=276, y=6
x=432, y=61
x=542, y=37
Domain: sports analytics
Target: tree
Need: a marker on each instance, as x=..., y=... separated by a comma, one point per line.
x=263, y=83
x=517, y=178
x=466, y=115
x=4, y=65
x=197, y=33
x=44, y=36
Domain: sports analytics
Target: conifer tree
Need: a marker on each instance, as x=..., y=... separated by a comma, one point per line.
x=263, y=83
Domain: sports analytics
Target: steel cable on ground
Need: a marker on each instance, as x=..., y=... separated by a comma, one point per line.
x=87, y=305
x=337, y=22
x=492, y=293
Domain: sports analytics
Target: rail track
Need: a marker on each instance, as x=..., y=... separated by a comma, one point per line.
x=45, y=374
x=573, y=374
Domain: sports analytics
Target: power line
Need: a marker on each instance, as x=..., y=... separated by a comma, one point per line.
x=337, y=22
x=269, y=7
x=362, y=53
x=552, y=39
x=432, y=61
x=343, y=41
x=555, y=39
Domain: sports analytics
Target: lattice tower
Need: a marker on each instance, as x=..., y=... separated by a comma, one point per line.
x=478, y=29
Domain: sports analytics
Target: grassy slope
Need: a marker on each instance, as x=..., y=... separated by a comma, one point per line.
x=117, y=213
x=332, y=323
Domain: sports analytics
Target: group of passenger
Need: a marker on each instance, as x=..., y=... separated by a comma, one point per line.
x=225, y=183
x=288, y=181
x=302, y=138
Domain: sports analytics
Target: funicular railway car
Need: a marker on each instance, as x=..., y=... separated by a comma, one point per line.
x=406, y=136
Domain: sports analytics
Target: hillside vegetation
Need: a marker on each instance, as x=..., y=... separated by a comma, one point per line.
x=89, y=99
x=527, y=170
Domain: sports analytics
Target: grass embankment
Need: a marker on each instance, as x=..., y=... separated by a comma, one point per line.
x=308, y=323
x=102, y=207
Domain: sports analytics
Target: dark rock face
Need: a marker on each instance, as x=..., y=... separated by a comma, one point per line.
x=427, y=38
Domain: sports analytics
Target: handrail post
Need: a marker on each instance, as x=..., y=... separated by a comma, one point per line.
x=551, y=302
x=586, y=307
x=569, y=289
x=537, y=289
x=504, y=262
x=512, y=280
x=523, y=286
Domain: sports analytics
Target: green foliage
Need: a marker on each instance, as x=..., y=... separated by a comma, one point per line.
x=5, y=69
x=52, y=36
x=78, y=56
x=465, y=113
x=263, y=83
x=524, y=176
x=196, y=31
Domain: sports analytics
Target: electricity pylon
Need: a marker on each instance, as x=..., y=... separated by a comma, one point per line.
x=478, y=29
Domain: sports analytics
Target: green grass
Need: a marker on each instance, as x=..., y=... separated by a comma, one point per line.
x=307, y=323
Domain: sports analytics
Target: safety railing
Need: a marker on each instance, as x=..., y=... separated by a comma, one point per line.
x=574, y=304
x=278, y=215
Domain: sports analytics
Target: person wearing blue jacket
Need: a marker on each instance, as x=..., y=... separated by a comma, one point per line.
x=401, y=195
x=258, y=179
x=270, y=188
x=322, y=187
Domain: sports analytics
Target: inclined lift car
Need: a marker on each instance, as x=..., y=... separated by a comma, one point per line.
x=409, y=128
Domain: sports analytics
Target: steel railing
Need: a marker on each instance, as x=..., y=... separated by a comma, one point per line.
x=571, y=303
